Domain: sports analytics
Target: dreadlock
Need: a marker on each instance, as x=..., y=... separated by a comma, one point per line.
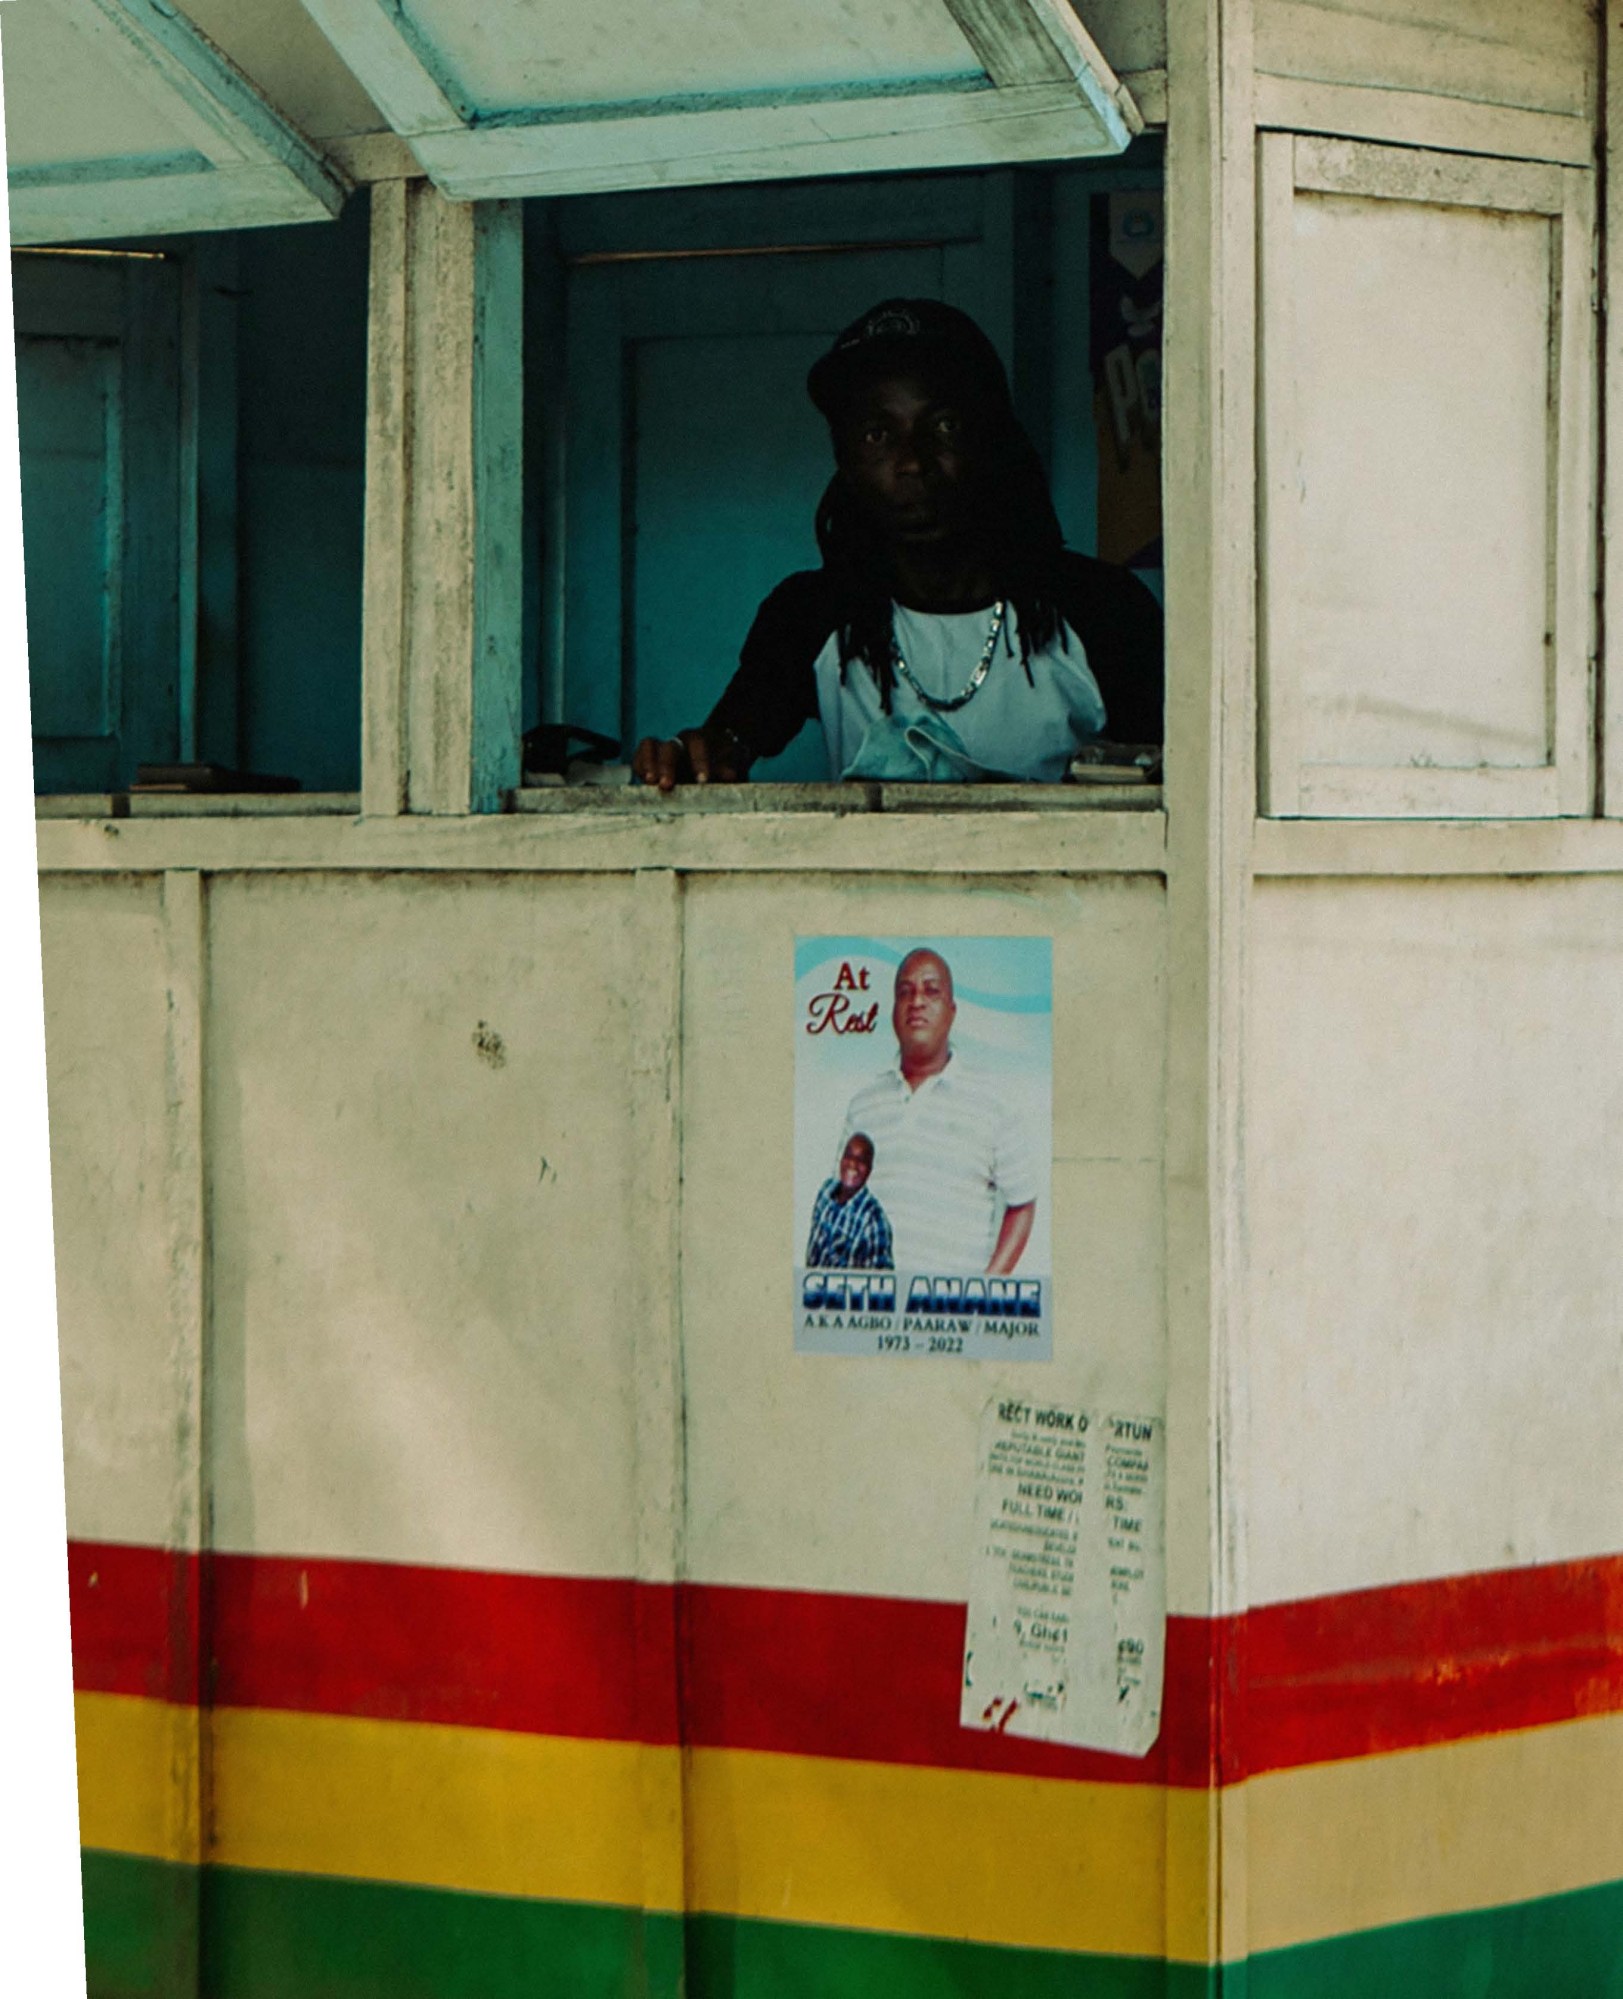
x=1023, y=540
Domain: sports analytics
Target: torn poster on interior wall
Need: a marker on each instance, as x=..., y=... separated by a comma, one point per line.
x=1066, y=1634
x=1127, y=267
x=924, y=1146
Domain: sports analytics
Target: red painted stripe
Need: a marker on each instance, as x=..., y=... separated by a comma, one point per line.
x=548, y=1655
x=1419, y=1663
x=818, y=1674
x=135, y=1618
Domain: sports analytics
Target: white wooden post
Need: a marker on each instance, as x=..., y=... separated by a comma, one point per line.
x=1209, y=479
x=1610, y=711
x=444, y=504
x=189, y=1808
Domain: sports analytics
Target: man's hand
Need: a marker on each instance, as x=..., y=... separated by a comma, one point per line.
x=696, y=756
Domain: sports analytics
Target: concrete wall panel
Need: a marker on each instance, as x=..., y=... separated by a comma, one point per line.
x=1435, y=1143
x=111, y=1185
x=419, y=1185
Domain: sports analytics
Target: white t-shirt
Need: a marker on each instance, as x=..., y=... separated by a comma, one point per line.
x=1018, y=727
x=949, y=1157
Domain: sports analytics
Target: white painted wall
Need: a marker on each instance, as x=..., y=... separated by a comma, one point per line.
x=422, y=1100
x=419, y=1178
x=105, y=1010
x=1543, y=57
x=1434, y=1197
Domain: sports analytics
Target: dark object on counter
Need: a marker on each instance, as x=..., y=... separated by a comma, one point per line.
x=207, y=777
x=548, y=751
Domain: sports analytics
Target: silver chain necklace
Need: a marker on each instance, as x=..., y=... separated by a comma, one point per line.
x=972, y=686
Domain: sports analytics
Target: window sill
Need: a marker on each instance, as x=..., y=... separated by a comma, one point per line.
x=197, y=805
x=751, y=833
x=838, y=799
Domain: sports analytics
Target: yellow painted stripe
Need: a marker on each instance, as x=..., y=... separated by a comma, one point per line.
x=993, y=1858
x=1115, y=1869
x=1471, y=1825
x=138, y=1776
x=548, y=1816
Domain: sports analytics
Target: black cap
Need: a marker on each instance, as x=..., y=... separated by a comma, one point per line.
x=904, y=335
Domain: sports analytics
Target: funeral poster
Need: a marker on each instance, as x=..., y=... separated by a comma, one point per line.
x=924, y=1147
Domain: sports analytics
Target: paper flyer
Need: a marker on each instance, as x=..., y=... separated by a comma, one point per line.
x=1066, y=1632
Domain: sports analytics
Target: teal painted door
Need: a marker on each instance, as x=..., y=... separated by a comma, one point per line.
x=99, y=436
x=694, y=461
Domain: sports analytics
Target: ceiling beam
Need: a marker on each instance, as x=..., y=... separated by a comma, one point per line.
x=1041, y=41
x=373, y=40
x=699, y=147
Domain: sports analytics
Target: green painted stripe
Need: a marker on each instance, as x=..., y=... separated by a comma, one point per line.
x=296, y=1936
x=1567, y=1947
x=292, y=1936
x=141, y=1921
x=733, y=1959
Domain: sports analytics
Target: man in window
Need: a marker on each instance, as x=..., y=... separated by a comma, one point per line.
x=849, y=1230
x=955, y=1170
x=949, y=634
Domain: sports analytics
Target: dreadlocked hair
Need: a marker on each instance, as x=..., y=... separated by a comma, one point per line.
x=1023, y=540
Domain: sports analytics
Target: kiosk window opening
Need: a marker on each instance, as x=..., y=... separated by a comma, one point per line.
x=853, y=479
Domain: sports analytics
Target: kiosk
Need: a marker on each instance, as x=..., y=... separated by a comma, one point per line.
x=474, y=1587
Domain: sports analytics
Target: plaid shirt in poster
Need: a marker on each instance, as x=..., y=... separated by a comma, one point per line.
x=848, y=1235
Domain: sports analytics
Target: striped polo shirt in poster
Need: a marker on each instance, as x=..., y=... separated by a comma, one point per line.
x=949, y=1157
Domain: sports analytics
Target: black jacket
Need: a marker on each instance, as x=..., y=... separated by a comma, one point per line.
x=774, y=692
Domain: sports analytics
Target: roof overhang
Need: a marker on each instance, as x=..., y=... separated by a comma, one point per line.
x=531, y=99
x=124, y=119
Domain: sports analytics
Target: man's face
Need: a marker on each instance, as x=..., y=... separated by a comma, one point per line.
x=856, y=1163
x=924, y=1010
x=910, y=453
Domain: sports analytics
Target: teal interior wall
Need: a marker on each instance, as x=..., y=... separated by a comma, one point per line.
x=301, y=375
x=193, y=421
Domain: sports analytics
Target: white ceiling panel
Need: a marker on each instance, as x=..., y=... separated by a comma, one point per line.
x=276, y=43
x=521, y=55
x=66, y=98
x=124, y=120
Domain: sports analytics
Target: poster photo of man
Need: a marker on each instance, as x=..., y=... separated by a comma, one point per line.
x=923, y=1146
x=849, y=1230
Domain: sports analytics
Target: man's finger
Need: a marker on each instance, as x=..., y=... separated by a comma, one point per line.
x=699, y=755
x=655, y=763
